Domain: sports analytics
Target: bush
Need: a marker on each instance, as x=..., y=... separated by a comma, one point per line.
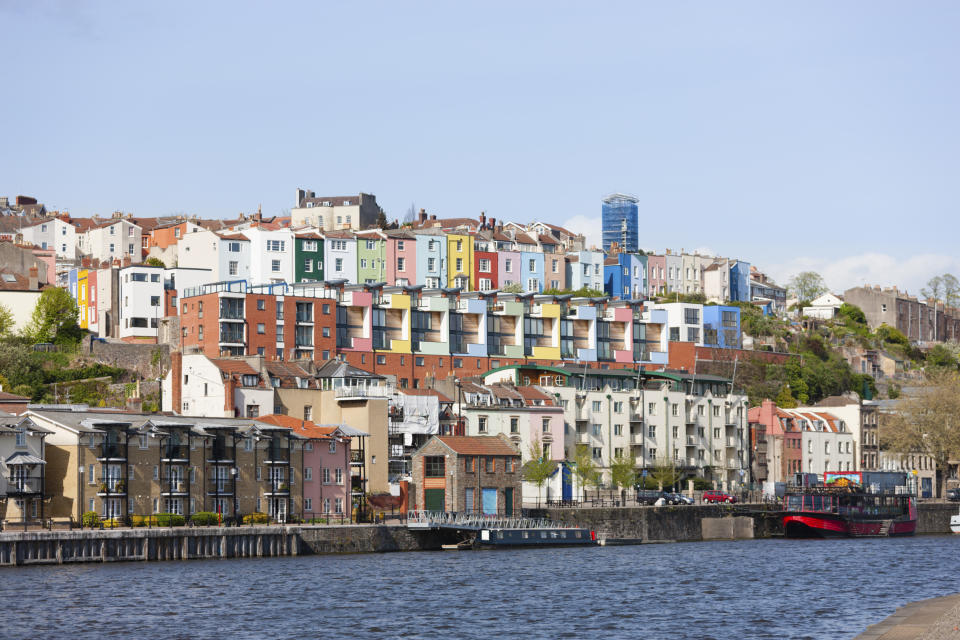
x=256, y=518
x=112, y=523
x=167, y=520
x=701, y=484
x=205, y=518
x=91, y=519
x=138, y=521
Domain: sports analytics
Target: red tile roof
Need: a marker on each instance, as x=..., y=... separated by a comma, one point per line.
x=301, y=427
x=479, y=445
x=234, y=367
x=424, y=392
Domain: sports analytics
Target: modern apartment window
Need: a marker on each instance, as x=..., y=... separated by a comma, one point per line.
x=261, y=328
x=381, y=359
x=279, y=333
x=597, y=453
x=418, y=361
x=596, y=405
x=693, y=335
x=597, y=429
x=233, y=247
x=691, y=316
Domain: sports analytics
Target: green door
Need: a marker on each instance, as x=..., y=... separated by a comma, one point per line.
x=508, y=500
x=433, y=500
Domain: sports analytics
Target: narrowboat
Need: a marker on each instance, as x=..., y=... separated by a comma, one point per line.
x=536, y=537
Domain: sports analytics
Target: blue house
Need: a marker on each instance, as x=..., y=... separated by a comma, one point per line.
x=625, y=276
x=739, y=281
x=531, y=271
x=721, y=327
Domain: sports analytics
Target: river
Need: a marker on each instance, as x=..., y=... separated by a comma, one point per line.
x=749, y=589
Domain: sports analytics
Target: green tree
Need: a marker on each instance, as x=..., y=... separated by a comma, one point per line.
x=623, y=472
x=941, y=357
x=927, y=423
x=934, y=288
x=585, y=469
x=665, y=472
x=6, y=322
x=852, y=315
x=785, y=399
x=55, y=317
x=154, y=261
x=807, y=285
x=539, y=468
x=512, y=287
x=951, y=290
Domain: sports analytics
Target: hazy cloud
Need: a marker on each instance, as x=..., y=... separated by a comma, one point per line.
x=589, y=227
x=910, y=274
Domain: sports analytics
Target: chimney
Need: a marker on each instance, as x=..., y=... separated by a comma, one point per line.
x=229, y=387
x=423, y=215
x=301, y=194
x=493, y=223
x=433, y=216
x=483, y=220
x=176, y=381
x=34, y=278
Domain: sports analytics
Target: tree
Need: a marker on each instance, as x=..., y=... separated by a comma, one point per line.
x=382, y=219
x=411, y=214
x=55, y=317
x=512, y=287
x=934, y=288
x=585, y=469
x=665, y=472
x=785, y=399
x=539, y=468
x=951, y=290
x=852, y=315
x=6, y=322
x=807, y=285
x=927, y=423
x=623, y=472
x=154, y=261
x=941, y=357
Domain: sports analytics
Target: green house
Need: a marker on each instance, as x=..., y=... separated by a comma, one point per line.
x=308, y=257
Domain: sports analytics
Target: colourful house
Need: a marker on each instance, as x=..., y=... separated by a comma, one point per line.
x=308, y=257
x=371, y=257
x=431, y=255
x=459, y=260
x=401, y=258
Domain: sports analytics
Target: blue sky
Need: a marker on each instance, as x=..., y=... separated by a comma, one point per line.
x=816, y=135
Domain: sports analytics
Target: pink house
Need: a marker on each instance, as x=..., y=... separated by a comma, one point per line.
x=401, y=257
x=656, y=274
x=326, y=467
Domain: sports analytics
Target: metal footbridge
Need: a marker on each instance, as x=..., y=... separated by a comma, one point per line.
x=425, y=520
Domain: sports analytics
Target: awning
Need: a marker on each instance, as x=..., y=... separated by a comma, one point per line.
x=24, y=458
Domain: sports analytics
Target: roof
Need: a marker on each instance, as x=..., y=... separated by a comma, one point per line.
x=301, y=427
x=12, y=398
x=287, y=373
x=479, y=445
x=335, y=201
x=523, y=238
x=338, y=369
x=547, y=239
x=22, y=457
x=233, y=236
x=340, y=234
x=531, y=394
x=238, y=367
x=424, y=392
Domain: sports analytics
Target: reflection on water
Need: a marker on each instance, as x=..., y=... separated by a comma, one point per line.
x=749, y=589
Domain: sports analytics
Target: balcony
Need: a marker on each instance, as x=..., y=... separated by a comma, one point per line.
x=220, y=487
x=174, y=487
x=112, y=488
x=276, y=488
x=636, y=419
x=304, y=318
x=21, y=486
x=175, y=453
x=732, y=442
x=277, y=456
x=636, y=438
x=221, y=455
x=364, y=391
x=733, y=463
x=356, y=459
x=692, y=441
x=583, y=438
x=113, y=452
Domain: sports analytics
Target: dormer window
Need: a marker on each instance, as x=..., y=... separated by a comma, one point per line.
x=249, y=380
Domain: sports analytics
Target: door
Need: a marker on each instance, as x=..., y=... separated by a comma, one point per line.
x=566, y=480
x=433, y=500
x=468, y=500
x=508, y=501
x=489, y=502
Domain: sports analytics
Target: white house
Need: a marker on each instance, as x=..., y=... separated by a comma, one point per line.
x=226, y=253
x=340, y=256
x=141, y=301
x=826, y=441
x=684, y=321
x=271, y=255
x=56, y=234
x=213, y=387
x=825, y=307
x=116, y=238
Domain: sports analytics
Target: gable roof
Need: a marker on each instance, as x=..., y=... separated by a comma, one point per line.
x=238, y=367
x=479, y=445
x=301, y=427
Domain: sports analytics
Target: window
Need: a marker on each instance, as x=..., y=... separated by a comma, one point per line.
x=232, y=268
x=261, y=329
x=381, y=359
x=418, y=361
x=275, y=245
x=490, y=464
x=308, y=502
x=484, y=265
x=468, y=464
x=596, y=405
x=308, y=412
x=674, y=409
x=401, y=264
x=482, y=424
x=433, y=466
x=545, y=425
x=363, y=263
x=514, y=424
x=651, y=431
x=338, y=475
x=325, y=475
x=274, y=265
x=508, y=265
x=333, y=446
x=618, y=407
x=597, y=429
x=338, y=264
x=597, y=453
x=459, y=265
x=652, y=408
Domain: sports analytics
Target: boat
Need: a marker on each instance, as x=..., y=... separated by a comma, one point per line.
x=955, y=523
x=536, y=537
x=846, y=509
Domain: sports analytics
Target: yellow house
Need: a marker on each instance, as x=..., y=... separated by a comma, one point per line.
x=82, y=297
x=459, y=260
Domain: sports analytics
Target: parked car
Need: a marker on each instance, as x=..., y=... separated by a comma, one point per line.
x=953, y=495
x=679, y=498
x=649, y=496
x=718, y=496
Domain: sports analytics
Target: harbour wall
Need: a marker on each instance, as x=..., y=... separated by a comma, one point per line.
x=692, y=523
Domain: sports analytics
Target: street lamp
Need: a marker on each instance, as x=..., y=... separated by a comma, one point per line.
x=459, y=428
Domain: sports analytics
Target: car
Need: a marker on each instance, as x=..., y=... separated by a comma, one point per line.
x=718, y=496
x=650, y=496
x=953, y=495
x=679, y=498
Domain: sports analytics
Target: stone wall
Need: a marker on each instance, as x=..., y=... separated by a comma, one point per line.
x=136, y=357
x=366, y=539
x=934, y=517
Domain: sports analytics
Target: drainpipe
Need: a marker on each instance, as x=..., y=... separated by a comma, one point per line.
x=610, y=435
x=710, y=434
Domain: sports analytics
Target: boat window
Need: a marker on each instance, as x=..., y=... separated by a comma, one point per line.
x=808, y=502
x=794, y=503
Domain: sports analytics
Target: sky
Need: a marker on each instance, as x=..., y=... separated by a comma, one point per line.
x=805, y=136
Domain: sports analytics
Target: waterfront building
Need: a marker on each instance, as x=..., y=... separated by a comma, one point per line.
x=764, y=291
x=684, y=321
x=141, y=297
x=23, y=480
x=120, y=464
x=401, y=250
x=468, y=474
x=163, y=241
x=585, y=270
x=656, y=275
x=486, y=263
x=114, y=238
x=740, y=281
x=271, y=254
x=861, y=418
x=57, y=234
x=620, y=222
x=695, y=423
x=674, y=273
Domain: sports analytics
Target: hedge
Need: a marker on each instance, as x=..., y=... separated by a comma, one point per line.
x=204, y=518
x=256, y=518
x=91, y=519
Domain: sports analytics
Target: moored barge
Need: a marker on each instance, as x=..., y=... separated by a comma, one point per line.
x=845, y=509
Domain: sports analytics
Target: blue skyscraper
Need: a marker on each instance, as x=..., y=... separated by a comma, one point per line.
x=620, y=223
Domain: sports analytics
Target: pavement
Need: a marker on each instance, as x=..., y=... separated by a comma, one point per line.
x=934, y=619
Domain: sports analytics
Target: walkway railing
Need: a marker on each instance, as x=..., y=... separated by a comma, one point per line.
x=456, y=520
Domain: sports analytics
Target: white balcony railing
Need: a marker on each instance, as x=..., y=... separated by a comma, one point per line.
x=365, y=391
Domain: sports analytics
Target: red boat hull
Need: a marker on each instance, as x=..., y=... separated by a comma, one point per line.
x=822, y=525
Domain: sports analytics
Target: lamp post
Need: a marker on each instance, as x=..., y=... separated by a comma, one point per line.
x=459, y=427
